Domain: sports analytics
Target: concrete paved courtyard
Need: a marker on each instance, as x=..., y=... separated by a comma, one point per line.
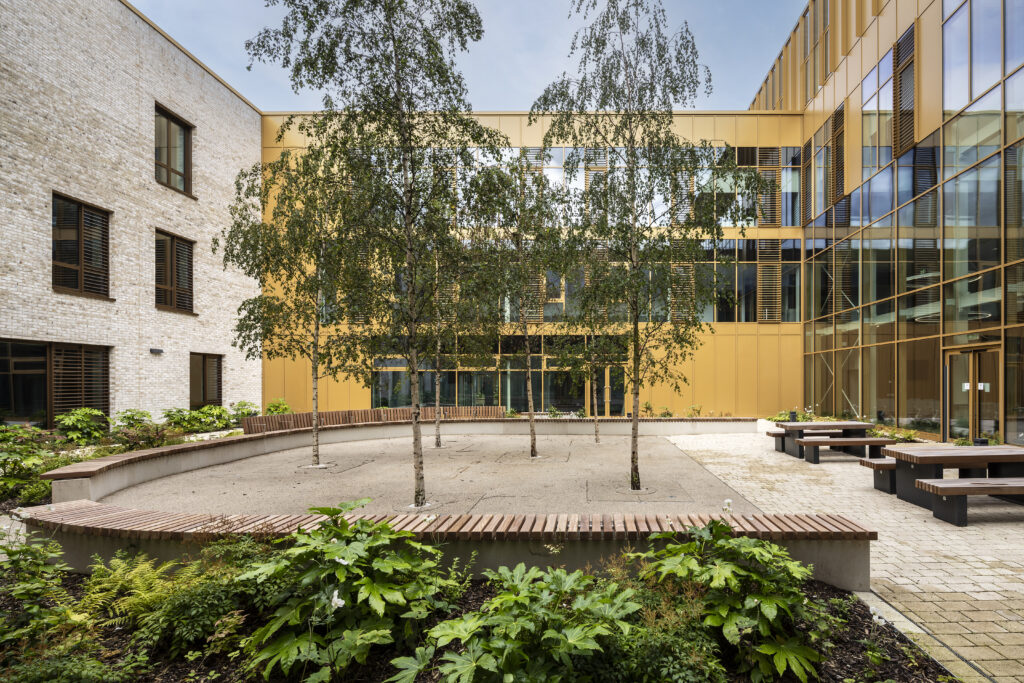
x=962, y=589
x=471, y=474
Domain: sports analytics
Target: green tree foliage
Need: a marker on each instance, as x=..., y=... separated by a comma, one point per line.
x=290, y=232
x=652, y=197
x=525, y=217
x=396, y=102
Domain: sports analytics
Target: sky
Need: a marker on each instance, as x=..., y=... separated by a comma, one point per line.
x=525, y=47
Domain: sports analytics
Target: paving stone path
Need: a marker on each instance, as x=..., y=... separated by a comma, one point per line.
x=963, y=586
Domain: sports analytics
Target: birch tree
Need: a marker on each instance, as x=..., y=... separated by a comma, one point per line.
x=652, y=197
x=391, y=89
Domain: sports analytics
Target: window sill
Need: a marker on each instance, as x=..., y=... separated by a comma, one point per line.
x=171, y=309
x=174, y=189
x=85, y=295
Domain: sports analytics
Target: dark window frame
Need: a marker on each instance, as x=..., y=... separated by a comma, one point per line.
x=80, y=267
x=186, y=173
x=174, y=288
x=206, y=401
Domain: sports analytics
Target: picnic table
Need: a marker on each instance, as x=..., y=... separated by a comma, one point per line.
x=919, y=461
x=795, y=430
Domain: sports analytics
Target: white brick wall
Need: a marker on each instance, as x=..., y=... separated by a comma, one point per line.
x=78, y=83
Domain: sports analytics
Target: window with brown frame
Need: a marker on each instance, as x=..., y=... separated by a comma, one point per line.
x=173, y=272
x=81, y=248
x=173, y=144
x=204, y=379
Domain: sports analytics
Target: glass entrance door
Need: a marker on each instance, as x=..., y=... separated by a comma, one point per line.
x=972, y=393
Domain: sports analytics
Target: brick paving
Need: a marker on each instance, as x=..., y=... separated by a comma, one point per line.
x=963, y=586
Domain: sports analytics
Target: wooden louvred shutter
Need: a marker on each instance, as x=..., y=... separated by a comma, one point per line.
x=805, y=183
x=66, y=266
x=1014, y=199
x=770, y=202
x=95, y=251
x=769, y=281
x=903, y=94
x=80, y=378
x=213, y=380
x=683, y=291
x=536, y=294
x=601, y=255
x=837, y=160
x=164, y=280
x=183, y=275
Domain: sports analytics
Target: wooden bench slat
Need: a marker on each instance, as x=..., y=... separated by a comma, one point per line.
x=974, y=486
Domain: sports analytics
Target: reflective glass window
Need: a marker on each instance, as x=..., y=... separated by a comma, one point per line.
x=1014, y=201
x=971, y=215
x=878, y=199
x=824, y=382
x=879, y=384
x=919, y=313
x=1014, y=34
x=1015, y=294
x=847, y=373
x=1014, y=362
x=918, y=243
x=1015, y=105
x=920, y=395
x=986, y=31
x=955, y=61
x=880, y=322
x=973, y=303
x=790, y=292
x=877, y=264
x=974, y=134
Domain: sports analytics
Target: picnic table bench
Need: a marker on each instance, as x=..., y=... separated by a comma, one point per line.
x=915, y=462
x=796, y=430
x=872, y=444
x=780, y=434
x=949, y=496
x=884, y=471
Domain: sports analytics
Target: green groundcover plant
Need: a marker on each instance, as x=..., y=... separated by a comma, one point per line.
x=317, y=605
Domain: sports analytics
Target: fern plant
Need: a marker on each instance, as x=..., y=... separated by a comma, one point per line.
x=127, y=589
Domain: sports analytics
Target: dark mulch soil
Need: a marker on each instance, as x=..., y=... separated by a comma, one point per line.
x=902, y=660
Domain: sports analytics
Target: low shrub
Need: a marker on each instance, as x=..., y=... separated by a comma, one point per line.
x=344, y=588
x=278, y=407
x=900, y=435
x=35, y=604
x=665, y=412
x=132, y=418
x=83, y=426
x=534, y=629
x=554, y=413
x=242, y=410
x=206, y=419
x=581, y=413
x=511, y=413
x=753, y=598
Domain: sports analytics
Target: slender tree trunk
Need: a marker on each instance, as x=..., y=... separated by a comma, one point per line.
x=437, y=390
x=316, y=395
x=593, y=387
x=634, y=454
x=420, y=497
x=529, y=391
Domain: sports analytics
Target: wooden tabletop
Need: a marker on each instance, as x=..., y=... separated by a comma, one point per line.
x=814, y=426
x=954, y=456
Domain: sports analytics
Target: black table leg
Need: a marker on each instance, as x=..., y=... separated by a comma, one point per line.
x=854, y=434
x=885, y=480
x=780, y=443
x=952, y=509
x=972, y=473
x=907, y=474
x=791, y=446
x=811, y=455
x=1007, y=469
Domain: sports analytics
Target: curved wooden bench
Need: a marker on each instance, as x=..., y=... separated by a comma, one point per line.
x=884, y=471
x=836, y=546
